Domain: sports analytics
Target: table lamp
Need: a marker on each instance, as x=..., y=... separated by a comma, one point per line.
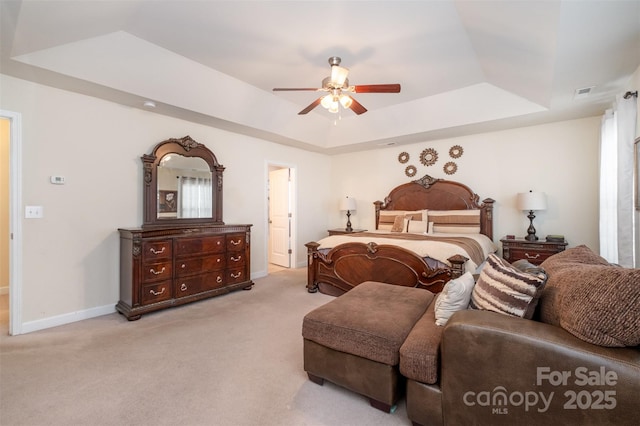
x=530, y=201
x=348, y=204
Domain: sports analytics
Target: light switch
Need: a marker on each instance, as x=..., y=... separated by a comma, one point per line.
x=57, y=180
x=33, y=212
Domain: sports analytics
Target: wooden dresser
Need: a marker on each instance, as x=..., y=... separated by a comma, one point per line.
x=170, y=266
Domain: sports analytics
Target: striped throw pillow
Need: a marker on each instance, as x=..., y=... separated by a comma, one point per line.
x=388, y=217
x=455, y=221
x=504, y=289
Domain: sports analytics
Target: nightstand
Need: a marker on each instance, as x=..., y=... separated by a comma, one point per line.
x=533, y=251
x=342, y=231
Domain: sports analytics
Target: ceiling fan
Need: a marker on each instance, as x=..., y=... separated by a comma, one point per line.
x=337, y=86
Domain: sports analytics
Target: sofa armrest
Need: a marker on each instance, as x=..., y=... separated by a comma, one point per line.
x=498, y=369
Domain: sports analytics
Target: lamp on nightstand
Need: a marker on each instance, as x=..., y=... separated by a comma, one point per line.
x=348, y=204
x=531, y=201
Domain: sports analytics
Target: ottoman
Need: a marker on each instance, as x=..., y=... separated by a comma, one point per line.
x=354, y=340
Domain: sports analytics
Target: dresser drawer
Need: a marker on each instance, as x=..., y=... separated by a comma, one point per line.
x=153, y=251
x=236, y=275
x=156, y=271
x=236, y=242
x=199, y=283
x=198, y=265
x=158, y=292
x=533, y=256
x=189, y=246
x=235, y=259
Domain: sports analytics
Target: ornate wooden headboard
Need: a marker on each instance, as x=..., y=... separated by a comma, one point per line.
x=437, y=194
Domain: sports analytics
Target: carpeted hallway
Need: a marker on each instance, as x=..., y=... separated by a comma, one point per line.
x=230, y=360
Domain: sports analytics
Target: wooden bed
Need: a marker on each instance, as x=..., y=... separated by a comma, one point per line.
x=344, y=266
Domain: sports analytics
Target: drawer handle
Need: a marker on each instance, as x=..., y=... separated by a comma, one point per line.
x=219, y=279
x=153, y=271
x=532, y=257
x=218, y=260
x=157, y=293
x=218, y=242
x=236, y=259
x=183, y=265
x=235, y=243
x=183, y=287
x=236, y=275
x=154, y=251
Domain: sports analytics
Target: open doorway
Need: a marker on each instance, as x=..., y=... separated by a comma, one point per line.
x=281, y=218
x=10, y=220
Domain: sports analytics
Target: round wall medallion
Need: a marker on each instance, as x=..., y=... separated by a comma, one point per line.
x=456, y=151
x=403, y=157
x=450, y=168
x=428, y=157
x=410, y=171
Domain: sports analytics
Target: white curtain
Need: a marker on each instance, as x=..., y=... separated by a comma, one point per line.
x=195, y=197
x=618, y=232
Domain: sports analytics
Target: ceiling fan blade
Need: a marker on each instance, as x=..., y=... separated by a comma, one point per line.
x=292, y=89
x=357, y=107
x=311, y=106
x=377, y=88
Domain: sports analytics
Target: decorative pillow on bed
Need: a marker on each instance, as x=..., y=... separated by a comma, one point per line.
x=417, y=227
x=388, y=217
x=455, y=296
x=400, y=224
x=507, y=290
x=455, y=221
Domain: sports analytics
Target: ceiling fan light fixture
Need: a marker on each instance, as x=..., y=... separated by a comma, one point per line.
x=338, y=75
x=327, y=101
x=334, y=107
x=345, y=100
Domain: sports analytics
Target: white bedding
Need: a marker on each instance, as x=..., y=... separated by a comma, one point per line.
x=438, y=250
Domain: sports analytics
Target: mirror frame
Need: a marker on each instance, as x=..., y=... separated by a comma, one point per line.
x=187, y=147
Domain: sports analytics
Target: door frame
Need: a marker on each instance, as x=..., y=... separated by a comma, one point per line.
x=293, y=186
x=15, y=220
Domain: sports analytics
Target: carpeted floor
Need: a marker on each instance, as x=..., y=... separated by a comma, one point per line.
x=231, y=360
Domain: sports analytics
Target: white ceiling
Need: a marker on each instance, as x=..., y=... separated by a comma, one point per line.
x=464, y=66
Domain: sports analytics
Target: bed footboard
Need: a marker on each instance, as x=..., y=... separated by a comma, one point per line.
x=347, y=265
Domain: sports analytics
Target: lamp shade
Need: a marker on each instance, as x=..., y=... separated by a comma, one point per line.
x=348, y=204
x=531, y=201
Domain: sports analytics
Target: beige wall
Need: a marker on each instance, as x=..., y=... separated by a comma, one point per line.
x=70, y=257
x=560, y=159
x=4, y=205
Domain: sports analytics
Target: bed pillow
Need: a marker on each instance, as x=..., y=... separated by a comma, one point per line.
x=417, y=227
x=455, y=221
x=388, y=217
x=505, y=289
x=455, y=296
x=400, y=224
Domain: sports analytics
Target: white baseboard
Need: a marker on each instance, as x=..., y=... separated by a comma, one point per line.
x=45, y=323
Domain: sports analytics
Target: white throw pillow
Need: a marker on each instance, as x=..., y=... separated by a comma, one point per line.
x=455, y=296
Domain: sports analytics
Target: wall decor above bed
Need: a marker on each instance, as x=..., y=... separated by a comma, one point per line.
x=429, y=156
x=456, y=151
x=444, y=231
x=450, y=168
x=403, y=157
x=410, y=171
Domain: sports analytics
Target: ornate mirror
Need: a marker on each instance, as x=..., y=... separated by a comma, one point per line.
x=182, y=184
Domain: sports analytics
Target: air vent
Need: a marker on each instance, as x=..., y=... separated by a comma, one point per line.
x=583, y=92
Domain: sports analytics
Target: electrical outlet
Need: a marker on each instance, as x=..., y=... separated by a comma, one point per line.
x=57, y=180
x=33, y=212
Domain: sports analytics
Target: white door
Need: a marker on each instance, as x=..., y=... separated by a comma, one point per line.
x=279, y=218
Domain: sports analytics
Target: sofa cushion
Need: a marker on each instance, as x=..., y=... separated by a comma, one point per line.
x=560, y=269
x=591, y=299
x=420, y=352
x=505, y=289
x=454, y=297
x=371, y=321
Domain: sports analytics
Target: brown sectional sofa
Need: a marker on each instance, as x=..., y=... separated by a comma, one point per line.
x=576, y=362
